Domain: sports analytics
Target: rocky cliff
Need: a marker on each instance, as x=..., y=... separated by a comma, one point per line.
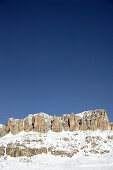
x=41, y=122
x=77, y=133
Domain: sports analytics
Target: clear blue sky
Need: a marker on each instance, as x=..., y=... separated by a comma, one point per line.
x=55, y=56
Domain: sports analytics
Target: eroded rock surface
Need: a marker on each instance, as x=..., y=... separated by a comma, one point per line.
x=42, y=123
x=56, y=124
x=2, y=131
x=88, y=120
x=14, y=126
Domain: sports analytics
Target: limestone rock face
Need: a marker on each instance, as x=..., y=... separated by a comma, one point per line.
x=73, y=123
x=14, y=126
x=15, y=151
x=56, y=124
x=2, y=131
x=27, y=152
x=65, y=122
x=42, y=123
x=93, y=120
x=2, y=150
x=28, y=123
x=102, y=120
x=87, y=121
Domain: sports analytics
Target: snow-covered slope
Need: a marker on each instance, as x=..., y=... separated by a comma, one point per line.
x=50, y=162
x=65, y=150
x=85, y=142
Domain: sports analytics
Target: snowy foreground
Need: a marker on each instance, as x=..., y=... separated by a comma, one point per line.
x=94, y=151
x=50, y=162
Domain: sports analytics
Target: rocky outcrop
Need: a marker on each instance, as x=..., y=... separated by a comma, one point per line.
x=28, y=123
x=2, y=150
x=21, y=150
x=73, y=123
x=88, y=120
x=65, y=121
x=93, y=120
x=56, y=124
x=42, y=123
x=14, y=126
x=2, y=131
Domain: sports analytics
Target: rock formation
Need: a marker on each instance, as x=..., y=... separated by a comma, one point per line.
x=2, y=150
x=14, y=126
x=73, y=123
x=41, y=123
x=56, y=124
x=28, y=123
x=2, y=131
x=88, y=120
x=29, y=143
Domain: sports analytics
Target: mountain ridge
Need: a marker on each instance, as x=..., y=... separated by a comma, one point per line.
x=88, y=133
x=42, y=122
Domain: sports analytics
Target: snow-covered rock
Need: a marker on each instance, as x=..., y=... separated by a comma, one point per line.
x=42, y=122
x=67, y=150
x=64, y=143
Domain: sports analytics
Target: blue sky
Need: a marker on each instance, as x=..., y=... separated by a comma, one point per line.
x=56, y=56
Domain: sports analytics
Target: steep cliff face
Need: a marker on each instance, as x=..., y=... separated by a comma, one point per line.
x=28, y=123
x=93, y=120
x=88, y=120
x=2, y=130
x=56, y=124
x=14, y=126
x=41, y=122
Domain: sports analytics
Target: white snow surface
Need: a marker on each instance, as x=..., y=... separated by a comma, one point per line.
x=82, y=114
x=50, y=162
x=90, y=146
x=86, y=113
